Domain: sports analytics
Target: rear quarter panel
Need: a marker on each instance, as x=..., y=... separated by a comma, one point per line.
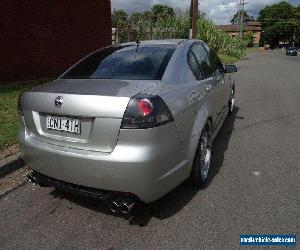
x=187, y=100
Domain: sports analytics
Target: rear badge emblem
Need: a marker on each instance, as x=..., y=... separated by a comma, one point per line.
x=59, y=101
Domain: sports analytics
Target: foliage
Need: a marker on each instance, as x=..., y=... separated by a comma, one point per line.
x=119, y=18
x=280, y=22
x=246, y=17
x=120, y=21
x=162, y=23
x=248, y=38
x=219, y=40
x=159, y=23
x=162, y=12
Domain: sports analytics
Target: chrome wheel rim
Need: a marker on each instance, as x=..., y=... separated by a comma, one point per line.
x=232, y=101
x=205, y=156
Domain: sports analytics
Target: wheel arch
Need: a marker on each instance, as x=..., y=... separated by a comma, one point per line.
x=203, y=116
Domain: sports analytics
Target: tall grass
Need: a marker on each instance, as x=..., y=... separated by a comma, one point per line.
x=173, y=27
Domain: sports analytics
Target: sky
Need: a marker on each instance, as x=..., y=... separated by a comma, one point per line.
x=219, y=11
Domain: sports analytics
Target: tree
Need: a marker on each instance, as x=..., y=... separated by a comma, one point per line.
x=297, y=24
x=136, y=17
x=119, y=18
x=279, y=23
x=120, y=21
x=236, y=17
x=162, y=11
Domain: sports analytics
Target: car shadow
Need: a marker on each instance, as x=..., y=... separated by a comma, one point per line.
x=173, y=202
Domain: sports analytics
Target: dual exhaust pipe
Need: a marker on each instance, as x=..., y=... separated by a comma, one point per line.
x=122, y=205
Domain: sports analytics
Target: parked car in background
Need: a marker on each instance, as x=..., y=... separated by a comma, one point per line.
x=128, y=123
x=291, y=51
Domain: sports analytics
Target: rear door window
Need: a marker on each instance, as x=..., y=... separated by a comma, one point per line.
x=136, y=62
x=215, y=60
x=203, y=60
x=194, y=65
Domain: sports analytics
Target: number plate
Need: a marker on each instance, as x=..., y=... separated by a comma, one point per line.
x=63, y=124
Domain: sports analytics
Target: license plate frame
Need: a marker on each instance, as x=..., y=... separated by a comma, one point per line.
x=63, y=124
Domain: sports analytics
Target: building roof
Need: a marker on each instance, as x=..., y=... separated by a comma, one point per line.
x=235, y=27
x=254, y=23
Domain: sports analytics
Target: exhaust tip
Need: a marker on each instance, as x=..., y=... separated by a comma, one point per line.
x=126, y=207
x=114, y=206
x=31, y=178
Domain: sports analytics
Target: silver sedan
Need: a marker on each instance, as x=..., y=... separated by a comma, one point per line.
x=128, y=123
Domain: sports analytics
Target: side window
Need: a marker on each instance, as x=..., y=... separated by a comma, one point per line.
x=194, y=66
x=203, y=60
x=215, y=60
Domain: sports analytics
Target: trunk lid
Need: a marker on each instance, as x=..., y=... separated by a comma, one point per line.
x=99, y=105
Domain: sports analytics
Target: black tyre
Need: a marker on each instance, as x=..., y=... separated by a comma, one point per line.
x=202, y=158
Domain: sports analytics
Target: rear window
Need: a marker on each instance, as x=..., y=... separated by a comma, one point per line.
x=129, y=63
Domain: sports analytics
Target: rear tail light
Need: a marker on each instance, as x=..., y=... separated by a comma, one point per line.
x=146, y=111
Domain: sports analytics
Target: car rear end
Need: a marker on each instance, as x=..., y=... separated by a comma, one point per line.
x=292, y=51
x=91, y=128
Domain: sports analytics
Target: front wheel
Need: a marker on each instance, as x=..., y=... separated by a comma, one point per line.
x=202, y=159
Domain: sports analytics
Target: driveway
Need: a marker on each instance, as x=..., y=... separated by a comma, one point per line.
x=254, y=185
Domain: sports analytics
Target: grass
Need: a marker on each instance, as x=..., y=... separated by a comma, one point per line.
x=9, y=117
x=228, y=59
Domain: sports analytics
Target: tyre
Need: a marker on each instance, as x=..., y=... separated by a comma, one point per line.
x=231, y=101
x=202, y=160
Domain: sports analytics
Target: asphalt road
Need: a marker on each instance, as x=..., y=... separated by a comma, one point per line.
x=254, y=187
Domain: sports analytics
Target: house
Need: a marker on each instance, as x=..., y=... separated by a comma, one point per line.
x=254, y=27
x=43, y=38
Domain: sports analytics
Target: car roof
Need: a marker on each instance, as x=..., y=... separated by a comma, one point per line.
x=156, y=42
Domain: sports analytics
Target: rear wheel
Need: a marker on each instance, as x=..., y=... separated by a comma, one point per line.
x=202, y=159
x=231, y=101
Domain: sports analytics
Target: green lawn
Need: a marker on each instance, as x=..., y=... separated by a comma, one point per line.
x=228, y=59
x=9, y=117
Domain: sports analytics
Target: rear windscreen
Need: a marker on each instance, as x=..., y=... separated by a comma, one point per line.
x=128, y=63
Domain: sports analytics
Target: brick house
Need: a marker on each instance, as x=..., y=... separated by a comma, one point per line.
x=43, y=38
x=254, y=27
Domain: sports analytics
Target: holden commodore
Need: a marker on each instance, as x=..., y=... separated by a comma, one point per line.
x=128, y=123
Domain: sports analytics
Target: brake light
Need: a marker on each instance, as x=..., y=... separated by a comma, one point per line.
x=145, y=107
x=146, y=111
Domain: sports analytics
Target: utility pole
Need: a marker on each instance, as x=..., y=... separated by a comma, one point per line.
x=238, y=21
x=194, y=18
x=294, y=37
x=242, y=9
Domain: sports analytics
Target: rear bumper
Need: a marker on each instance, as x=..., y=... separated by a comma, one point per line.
x=146, y=163
x=291, y=53
x=90, y=193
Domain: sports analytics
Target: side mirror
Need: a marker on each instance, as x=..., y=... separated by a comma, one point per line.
x=230, y=68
